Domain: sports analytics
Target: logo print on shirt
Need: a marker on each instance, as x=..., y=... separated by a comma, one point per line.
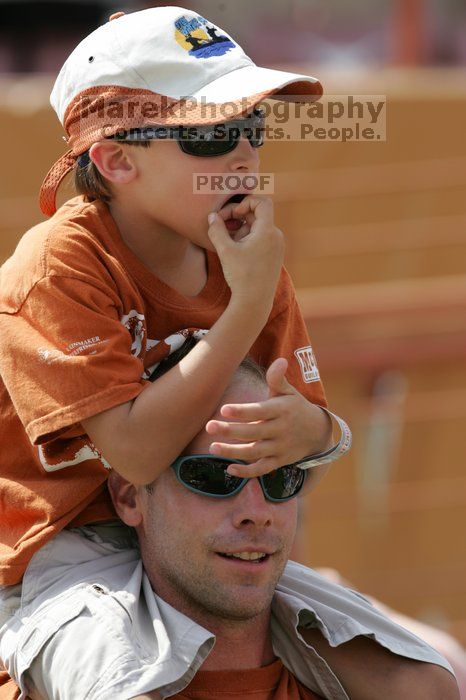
x=84, y=347
x=200, y=38
x=308, y=364
x=45, y=354
x=135, y=323
x=78, y=347
x=63, y=453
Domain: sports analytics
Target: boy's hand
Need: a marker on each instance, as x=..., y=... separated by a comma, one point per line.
x=251, y=261
x=272, y=433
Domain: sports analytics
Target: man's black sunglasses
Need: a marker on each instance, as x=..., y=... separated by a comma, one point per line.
x=207, y=474
x=204, y=141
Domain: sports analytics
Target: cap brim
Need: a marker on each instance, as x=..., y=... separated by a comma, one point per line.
x=252, y=80
x=239, y=91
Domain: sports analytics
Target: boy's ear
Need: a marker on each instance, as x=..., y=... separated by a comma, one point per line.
x=113, y=161
x=125, y=498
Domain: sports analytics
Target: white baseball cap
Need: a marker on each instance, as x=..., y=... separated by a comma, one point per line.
x=163, y=65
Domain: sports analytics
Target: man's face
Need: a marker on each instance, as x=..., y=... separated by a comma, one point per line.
x=189, y=541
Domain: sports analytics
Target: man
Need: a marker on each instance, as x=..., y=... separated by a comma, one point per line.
x=218, y=565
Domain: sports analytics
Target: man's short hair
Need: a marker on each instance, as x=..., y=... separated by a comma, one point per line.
x=247, y=367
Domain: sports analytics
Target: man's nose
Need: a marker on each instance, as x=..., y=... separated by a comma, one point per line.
x=251, y=506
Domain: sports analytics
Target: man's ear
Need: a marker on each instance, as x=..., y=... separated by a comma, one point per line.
x=113, y=162
x=125, y=498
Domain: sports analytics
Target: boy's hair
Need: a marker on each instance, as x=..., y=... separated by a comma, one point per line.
x=88, y=180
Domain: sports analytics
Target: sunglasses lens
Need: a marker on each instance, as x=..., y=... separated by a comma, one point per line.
x=204, y=141
x=255, y=134
x=222, y=138
x=284, y=483
x=204, y=148
x=208, y=475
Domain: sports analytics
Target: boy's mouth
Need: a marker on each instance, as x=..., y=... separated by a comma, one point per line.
x=234, y=199
x=231, y=223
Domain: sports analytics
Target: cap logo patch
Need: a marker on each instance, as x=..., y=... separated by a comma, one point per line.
x=201, y=39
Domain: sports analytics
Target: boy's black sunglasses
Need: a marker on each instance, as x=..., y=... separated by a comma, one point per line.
x=207, y=474
x=204, y=141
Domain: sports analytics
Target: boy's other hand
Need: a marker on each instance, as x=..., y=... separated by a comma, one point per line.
x=251, y=261
x=272, y=433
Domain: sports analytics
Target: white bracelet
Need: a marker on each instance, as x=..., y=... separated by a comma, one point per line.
x=335, y=452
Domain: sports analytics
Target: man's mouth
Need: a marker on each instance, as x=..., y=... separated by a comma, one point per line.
x=255, y=557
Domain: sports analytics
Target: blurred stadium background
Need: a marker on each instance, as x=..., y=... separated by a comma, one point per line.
x=376, y=247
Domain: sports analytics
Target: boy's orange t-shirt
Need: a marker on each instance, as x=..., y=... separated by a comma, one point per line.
x=272, y=682
x=82, y=324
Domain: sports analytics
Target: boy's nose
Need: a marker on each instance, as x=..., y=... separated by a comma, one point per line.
x=244, y=157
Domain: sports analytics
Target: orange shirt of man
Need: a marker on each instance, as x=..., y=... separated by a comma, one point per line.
x=272, y=682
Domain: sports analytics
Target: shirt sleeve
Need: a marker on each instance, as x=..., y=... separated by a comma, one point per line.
x=285, y=335
x=304, y=598
x=65, y=356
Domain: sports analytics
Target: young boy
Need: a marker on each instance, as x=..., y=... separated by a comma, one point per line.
x=95, y=297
